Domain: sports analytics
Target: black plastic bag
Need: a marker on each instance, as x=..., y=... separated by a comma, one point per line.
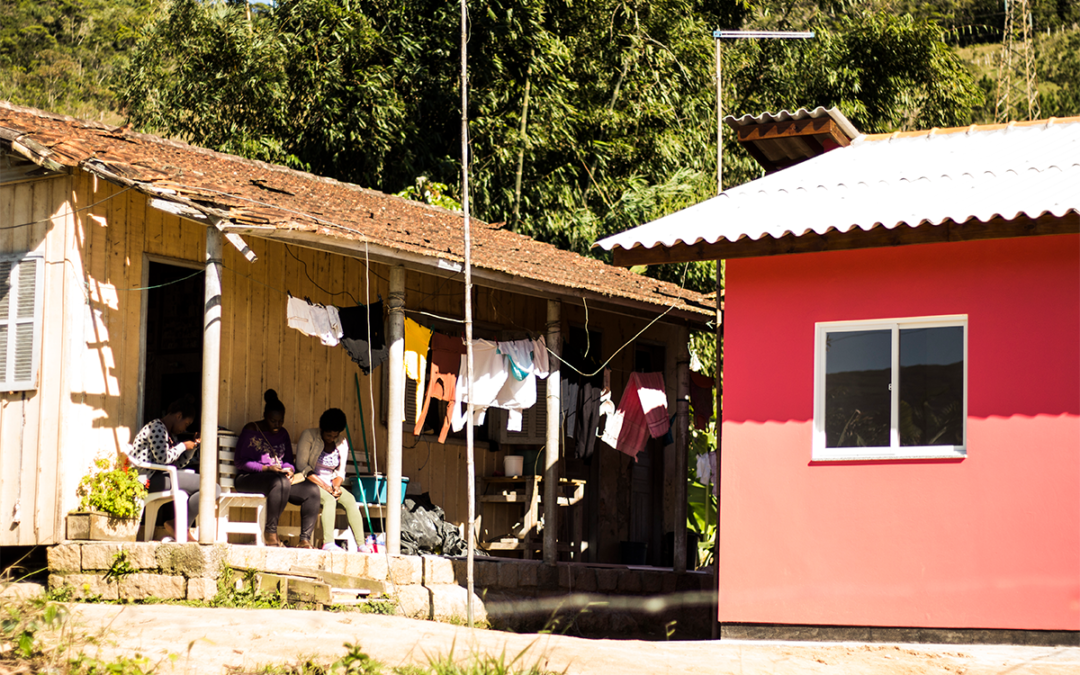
x=424, y=529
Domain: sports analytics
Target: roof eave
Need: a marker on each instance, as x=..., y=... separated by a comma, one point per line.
x=877, y=237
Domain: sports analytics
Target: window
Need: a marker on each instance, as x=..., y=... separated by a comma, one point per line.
x=20, y=322
x=891, y=389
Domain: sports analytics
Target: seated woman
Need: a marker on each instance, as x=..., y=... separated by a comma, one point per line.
x=156, y=443
x=320, y=456
x=264, y=465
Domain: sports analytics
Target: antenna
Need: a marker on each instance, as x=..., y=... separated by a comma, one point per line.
x=1017, y=84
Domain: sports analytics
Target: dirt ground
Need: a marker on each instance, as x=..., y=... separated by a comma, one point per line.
x=208, y=640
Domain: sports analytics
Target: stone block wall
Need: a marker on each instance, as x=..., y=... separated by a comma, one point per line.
x=523, y=595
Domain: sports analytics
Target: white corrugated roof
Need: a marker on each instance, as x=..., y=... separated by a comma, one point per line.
x=918, y=179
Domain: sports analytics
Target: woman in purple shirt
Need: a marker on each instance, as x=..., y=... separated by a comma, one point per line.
x=265, y=465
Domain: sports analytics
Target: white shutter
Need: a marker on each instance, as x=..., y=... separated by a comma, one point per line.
x=20, y=323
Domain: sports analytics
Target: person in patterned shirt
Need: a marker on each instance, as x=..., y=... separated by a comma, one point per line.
x=156, y=443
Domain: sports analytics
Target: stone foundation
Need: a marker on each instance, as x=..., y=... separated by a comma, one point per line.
x=522, y=595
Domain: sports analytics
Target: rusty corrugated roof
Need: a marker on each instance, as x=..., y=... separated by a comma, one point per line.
x=251, y=193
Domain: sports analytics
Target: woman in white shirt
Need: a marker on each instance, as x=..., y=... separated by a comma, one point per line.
x=321, y=454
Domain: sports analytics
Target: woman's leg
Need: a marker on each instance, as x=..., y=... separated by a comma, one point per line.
x=275, y=486
x=352, y=512
x=306, y=496
x=329, y=508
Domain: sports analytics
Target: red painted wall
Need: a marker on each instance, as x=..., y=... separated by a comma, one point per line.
x=989, y=541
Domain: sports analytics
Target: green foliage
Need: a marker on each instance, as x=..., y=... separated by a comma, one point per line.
x=602, y=111
x=244, y=594
x=60, y=55
x=23, y=626
x=120, y=567
x=429, y=192
x=113, y=489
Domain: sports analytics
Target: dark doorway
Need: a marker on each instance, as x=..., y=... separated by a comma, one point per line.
x=174, y=306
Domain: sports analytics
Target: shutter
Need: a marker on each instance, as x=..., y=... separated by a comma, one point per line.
x=19, y=316
x=5, y=290
x=411, y=411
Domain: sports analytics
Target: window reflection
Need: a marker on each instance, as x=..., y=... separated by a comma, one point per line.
x=932, y=386
x=857, y=398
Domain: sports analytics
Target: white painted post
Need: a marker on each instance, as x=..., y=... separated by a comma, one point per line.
x=211, y=381
x=551, y=449
x=395, y=415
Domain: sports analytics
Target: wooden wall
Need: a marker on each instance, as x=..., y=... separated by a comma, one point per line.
x=96, y=400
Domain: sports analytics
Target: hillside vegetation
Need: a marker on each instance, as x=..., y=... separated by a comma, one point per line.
x=586, y=117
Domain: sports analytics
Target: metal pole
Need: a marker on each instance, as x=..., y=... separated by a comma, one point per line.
x=714, y=485
x=551, y=449
x=211, y=380
x=395, y=415
x=470, y=471
x=719, y=122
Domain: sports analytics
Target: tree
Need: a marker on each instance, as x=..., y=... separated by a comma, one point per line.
x=586, y=118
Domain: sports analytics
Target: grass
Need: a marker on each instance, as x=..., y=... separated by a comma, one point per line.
x=38, y=636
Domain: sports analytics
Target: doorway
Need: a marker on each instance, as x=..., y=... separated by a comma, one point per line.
x=173, y=354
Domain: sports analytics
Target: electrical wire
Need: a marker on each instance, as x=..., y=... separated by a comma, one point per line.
x=71, y=212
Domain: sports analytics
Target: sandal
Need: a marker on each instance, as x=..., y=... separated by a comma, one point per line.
x=304, y=543
x=271, y=539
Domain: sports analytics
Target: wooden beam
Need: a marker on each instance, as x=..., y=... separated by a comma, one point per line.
x=794, y=128
x=903, y=235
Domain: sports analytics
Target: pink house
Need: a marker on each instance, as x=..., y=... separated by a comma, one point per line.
x=901, y=423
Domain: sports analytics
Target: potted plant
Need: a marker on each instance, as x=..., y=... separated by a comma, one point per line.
x=110, y=504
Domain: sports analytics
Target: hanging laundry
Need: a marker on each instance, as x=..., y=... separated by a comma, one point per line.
x=701, y=398
x=514, y=397
x=490, y=374
x=706, y=468
x=446, y=353
x=298, y=311
x=642, y=410
x=540, y=358
x=519, y=353
x=417, y=340
x=363, y=322
x=589, y=420
x=320, y=319
x=568, y=395
x=334, y=314
x=355, y=329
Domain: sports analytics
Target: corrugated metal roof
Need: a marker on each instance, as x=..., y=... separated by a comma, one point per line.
x=914, y=179
x=801, y=114
x=255, y=194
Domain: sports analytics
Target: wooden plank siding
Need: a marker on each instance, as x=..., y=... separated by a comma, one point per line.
x=92, y=361
x=29, y=460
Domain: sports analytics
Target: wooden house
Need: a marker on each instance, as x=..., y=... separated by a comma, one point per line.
x=901, y=429
x=122, y=252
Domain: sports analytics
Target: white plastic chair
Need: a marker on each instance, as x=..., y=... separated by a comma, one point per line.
x=230, y=499
x=153, y=501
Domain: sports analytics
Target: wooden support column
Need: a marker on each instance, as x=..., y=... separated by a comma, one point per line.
x=682, y=445
x=395, y=415
x=551, y=448
x=211, y=381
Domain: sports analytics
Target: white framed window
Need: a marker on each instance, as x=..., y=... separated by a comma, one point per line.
x=890, y=389
x=21, y=284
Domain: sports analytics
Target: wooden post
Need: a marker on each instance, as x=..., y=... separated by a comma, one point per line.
x=551, y=449
x=211, y=381
x=395, y=414
x=682, y=446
